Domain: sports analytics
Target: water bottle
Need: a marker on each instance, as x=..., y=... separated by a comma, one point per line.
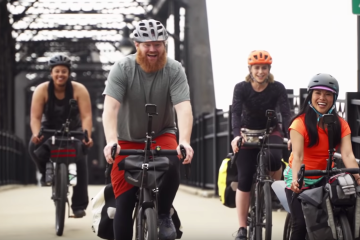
x=49, y=173
x=72, y=174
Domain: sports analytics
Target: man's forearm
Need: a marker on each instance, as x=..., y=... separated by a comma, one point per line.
x=87, y=124
x=110, y=128
x=185, y=121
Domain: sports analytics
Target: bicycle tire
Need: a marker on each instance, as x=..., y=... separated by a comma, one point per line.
x=150, y=226
x=60, y=198
x=287, y=227
x=345, y=227
x=265, y=213
x=251, y=214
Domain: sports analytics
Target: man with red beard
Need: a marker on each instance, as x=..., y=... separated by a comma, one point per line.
x=148, y=76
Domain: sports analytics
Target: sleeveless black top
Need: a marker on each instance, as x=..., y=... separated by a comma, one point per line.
x=55, y=116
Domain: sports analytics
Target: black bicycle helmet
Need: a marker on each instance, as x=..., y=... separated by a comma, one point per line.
x=149, y=31
x=324, y=81
x=59, y=60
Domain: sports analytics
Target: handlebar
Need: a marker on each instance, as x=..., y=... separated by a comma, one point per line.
x=258, y=145
x=60, y=133
x=331, y=172
x=156, y=152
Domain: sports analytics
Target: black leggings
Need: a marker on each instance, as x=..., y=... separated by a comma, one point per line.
x=80, y=199
x=246, y=162
x=298, y=227
x=125, y=203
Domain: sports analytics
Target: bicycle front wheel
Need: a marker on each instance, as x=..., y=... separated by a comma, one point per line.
x=287, y=227
x=343, y=228
x=60, y=198
x=150, y=225
x=263, y=212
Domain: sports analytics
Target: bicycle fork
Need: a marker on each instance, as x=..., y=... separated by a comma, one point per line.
x=146, y=203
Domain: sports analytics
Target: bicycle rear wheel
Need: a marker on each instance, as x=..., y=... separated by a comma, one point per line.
x=150, y=225
x=60, y=198
x=263, y=212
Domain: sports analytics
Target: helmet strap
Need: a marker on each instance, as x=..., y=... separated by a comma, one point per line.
x=319, y=114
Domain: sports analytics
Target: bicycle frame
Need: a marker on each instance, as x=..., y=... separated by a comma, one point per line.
x=147, y=197
x=262, y=180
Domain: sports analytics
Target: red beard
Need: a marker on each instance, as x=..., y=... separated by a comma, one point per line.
x=148, y=66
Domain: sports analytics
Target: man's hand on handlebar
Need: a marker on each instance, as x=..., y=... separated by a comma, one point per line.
x=189, y=152
x=108, y=153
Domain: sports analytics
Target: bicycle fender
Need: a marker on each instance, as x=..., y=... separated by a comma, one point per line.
x=279, y=189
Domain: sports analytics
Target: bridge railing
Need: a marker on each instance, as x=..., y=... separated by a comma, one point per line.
x=14, y=167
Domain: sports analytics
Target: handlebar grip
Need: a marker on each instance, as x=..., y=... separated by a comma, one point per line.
x=315, y=172
x=113, y=151
x=86, y=136
x=301, y=176
x=183, y=151
x=300, y=181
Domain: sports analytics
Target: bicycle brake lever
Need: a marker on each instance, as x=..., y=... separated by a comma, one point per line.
x=300, y=181
x=40, y=132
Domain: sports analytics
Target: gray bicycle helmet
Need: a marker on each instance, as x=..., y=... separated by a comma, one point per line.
x=324, y=81
x=59, y=60
x=149, y=31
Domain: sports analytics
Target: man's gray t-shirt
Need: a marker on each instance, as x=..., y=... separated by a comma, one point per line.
x=165, y=88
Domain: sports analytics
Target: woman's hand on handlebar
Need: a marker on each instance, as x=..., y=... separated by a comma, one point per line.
x=234, y=143
x=295, y=186
x=88, y=144
x=289, y=144
x=108, y=153
x=189, y=152
x=37, y=139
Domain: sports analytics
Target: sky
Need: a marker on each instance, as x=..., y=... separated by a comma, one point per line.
x=303, y=37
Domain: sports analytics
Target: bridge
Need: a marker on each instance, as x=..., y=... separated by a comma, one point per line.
x=94, y=36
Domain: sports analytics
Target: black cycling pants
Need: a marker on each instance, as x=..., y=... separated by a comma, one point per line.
x=125, y=203
x=247, y=159
x=80, y=199
x=298, y=228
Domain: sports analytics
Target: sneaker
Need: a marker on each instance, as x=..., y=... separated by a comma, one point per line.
x=242, y=234
x=42, y=181
x=167, y=229
x=79, y=213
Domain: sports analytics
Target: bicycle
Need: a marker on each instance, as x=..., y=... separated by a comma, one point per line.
x=342, y=225
x=62, y=149
x=137, y=171
x=260, y=209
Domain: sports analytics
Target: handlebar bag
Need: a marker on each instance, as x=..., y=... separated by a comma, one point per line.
x=342, y=190
x=318, y=214
x=61, y=150
x=134, y=164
